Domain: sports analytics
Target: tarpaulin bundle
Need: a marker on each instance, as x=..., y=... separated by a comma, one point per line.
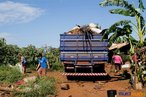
x=90, y=28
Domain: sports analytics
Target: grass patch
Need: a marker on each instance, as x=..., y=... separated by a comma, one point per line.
x=31, y=68
x=57, y=67
x=42, y=87
x=9, y=75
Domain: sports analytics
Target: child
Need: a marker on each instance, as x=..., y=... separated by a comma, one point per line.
x=42, y=65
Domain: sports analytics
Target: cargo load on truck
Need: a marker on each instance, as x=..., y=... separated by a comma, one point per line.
x=91, y=29
x=83, y=51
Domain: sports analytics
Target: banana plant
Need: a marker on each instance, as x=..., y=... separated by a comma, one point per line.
x=121, y=32
x=126, y=9
x=126, y=27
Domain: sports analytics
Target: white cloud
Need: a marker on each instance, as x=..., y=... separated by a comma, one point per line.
x=12, y=12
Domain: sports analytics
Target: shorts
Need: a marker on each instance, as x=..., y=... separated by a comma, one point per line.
x=42, y=71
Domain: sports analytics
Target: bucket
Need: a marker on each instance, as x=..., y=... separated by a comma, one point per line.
x=112, y=93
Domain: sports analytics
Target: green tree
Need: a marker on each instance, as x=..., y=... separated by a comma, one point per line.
x=126, y=9
x=30, y=53
x=121, y=32
x=53, y=55
x=2, y=50
x=8, y=53
x=11, y=54
x=126, y=26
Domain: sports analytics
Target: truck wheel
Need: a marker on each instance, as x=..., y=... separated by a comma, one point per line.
x=69, y=77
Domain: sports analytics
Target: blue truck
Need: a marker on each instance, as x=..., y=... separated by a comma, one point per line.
x=83, y=56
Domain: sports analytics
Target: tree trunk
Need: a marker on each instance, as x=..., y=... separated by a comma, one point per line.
x=137, y=84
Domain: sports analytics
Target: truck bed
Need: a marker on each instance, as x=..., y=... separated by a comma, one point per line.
x=77, y=52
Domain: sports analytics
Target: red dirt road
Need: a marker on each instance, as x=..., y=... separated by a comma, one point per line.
x=88, y=88
x=95, y=89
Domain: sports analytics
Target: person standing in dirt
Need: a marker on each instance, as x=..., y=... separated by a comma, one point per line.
x=134, y=58
x=117, y=62
x=42, y=65
x=23, y=63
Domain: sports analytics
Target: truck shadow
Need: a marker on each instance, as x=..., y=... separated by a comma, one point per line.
x=100, y=78
x=89, y=78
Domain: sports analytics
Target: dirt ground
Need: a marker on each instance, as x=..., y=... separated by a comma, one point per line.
x=97, y=88
x=94, y=88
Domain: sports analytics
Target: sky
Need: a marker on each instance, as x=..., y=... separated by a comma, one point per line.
x=40, y=22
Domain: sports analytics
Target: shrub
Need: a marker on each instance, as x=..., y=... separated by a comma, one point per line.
x=40, y=88
x=57, y=66
x=9, y=75
x=31, y=67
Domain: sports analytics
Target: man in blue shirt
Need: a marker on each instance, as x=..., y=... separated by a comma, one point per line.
x=42, y=65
